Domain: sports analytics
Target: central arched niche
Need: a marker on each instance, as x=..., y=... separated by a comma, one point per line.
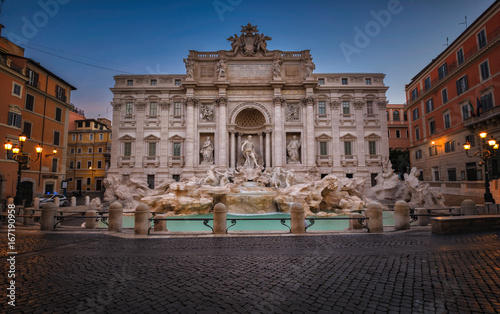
x=250, y=118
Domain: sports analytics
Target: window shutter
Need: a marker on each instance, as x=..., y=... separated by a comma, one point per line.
x=458, y=87
x=466, y=84
x=10, y=118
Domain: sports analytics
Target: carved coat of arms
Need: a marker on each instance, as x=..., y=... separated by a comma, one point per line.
x=249, y=42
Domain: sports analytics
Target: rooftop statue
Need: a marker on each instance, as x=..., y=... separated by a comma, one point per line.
x=249, y=42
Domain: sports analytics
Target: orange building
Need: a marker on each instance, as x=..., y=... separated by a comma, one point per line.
x=35, y=102
x=397, y=125
x=451, y=100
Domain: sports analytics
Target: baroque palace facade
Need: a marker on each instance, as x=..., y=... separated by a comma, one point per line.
x=178, y=126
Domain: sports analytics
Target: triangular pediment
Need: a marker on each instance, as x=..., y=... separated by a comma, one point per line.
x=373, y=136
x=127, y=138
x=348, y=136
x=176, y=138
x=323, y=137
x=151, y=138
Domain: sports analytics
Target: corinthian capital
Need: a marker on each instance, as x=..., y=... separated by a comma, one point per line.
x=192, y=101
x=308, y=100
x=382, y=104
x=278, y=100
x=116, y=105
x=221, y=101
x=165, y=105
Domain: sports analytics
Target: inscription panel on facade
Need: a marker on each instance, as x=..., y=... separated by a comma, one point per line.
x=249, y=70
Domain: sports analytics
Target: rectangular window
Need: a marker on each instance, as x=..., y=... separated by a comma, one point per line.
x=27, y=129
x=151, y=181
x=398, y=133
x=79, y=150
x=127, y=149
x=54, y=164
x=58, y=116
x=417, y=133
x=78, y=164
x=460, y=56
x=323, y=149
x=72, y=151
x=30, y=102
x=487, y=101
x=369, y=107
x=60, y=93
x=345, y=107
x=89, y=164
x=71, y=165
x=372, y=147
x=129, y=108
x=33, y=78
x=344, y=81
x=99, y=149
x=130, y=82
x=321, y=81
x=101, y=137
x=485, y=70
x=470, y=138
x=14, y=119
x=418, y=154
x=177, y=108
x=462, y=85
x=321, y=107
x=414, y=93
x=177, y=82
x=432, y=127
x=429, y=105
x=99, y=164
x=481, y=39
x=16, y=90
x=449, y=146
x=154, y=82
x=444, y=95
x=89, y=150
x=348, y=148
x=153, y=108
x=466, y=111
x=177, y=149
x=87, y=124
x=443, y=70
x=427, y=83
x=57, y=137
x=368, y=81
x=452, y=174
x=447, y=121
x=91, y=137
x=73, y=137
x=88, y=181
x=415, y=114
x=80, y=137
x=151, y=149
x=433, y=151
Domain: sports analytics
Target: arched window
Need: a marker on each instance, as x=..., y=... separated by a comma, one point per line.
x=395, y=115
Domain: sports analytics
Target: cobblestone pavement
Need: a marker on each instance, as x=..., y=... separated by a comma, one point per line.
x=410, y=272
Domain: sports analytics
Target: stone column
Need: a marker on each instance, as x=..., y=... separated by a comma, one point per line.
x=232, y=157
x=310, y=140
x=115, y=219
x=222, y=128
x=268, y=149
x=48, y=219
x=220, y=222
x=115, y=143
x=261, y=144
x=401, y=215
x=73, y=201
x=164, y=117
x=336, y=149
x=278, y=132
x=189, y=149
x=297, y=219
x=87, y=200
x=140, y=116
x=374, y=214
x=57, y=201
x=468, y=207
x=161, y=225
x=422, y=220
x=384, y=140
x=141, y=219
x=354, y=223
x=360, y=126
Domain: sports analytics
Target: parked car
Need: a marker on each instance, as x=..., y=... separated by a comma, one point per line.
x=63, y=201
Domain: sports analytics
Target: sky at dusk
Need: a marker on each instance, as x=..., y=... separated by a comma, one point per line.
x=87, y=42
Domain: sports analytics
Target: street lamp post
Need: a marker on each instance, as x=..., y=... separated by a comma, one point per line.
x=22, y=159
x=487, y=150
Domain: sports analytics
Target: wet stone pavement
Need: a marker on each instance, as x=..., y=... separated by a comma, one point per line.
x=354, y=273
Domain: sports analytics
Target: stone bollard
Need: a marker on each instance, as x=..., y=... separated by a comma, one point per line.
x=375, y=221
x=422, y=220
x=480, y=209
x=48, y=219
x=220, y=222
x=297, y=221
x=87, y=200
x=354, y=223
x=456, y=211
x=161, y=225
x=468, y=207
x=142, y=219
x=57, y=201
x=401, y=215
x=115, y=217
x=90, y=223
x=73, y=201
x=36, y=203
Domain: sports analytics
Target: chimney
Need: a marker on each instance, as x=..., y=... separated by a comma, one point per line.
x=1, y=27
